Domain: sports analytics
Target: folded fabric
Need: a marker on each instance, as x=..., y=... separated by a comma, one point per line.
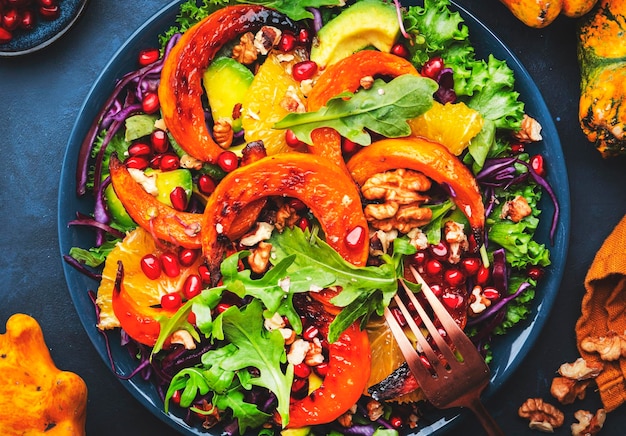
x=603, y=312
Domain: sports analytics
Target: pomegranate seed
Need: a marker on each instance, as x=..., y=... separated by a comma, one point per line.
x=399, y=316
x=299, y=384
x=27, y=20
x=437, y=289
x=169, y=162
x=491, y=293
x=454, y=277
x=187, y=256
x=192, y=286
x=310, y=332
x=297, y=204
x=228, y=161
x=303, y=36
x=452, y=301
x=536, y=162
x=517, y=148
x=348, y=146
x=47, y=3
x=400, y=50
x=171, y=301
x=178, y=198
x=206, y=185
x=148, y=56
x=150, y=103
x=356, y=237
x=304, y=70
x=10, y=19
x=482, y=276
x=535, y=272
x=432, y=67
x=222, y=307
x=440, y=250
x=204, y=273
x=151, y=266
x=303, y=224
x=321, y=369
x=425, y=362
x=176, y=396
x=137, y=162
x=302, y=370
x=292, y=140
x=169, y=262
x=287, y=42
x=419, y=258
x=159, y=141
x=396, y=421
x=50, y=13
x=191, y=318
x=155, y=162
x=470, y=265
x=433, y=267
x=139, y=149
x=5, y=35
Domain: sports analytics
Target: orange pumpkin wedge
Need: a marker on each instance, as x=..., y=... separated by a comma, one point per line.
x=434, y=161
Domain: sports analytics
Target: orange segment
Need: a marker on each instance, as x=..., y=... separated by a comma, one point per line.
x=386, y=357
x=144, y=291
x=265, y=100
x=453, y=125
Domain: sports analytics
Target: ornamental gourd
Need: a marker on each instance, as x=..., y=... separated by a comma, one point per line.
x=36, y=397
x=602, y=57
x=540, y=13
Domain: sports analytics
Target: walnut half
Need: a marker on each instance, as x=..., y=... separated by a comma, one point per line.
x=543, y=416
x=568, y=390
x=588, y=424
x=610, y=347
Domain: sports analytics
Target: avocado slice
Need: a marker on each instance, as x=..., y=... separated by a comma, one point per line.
x=115, y=208
x=364, y=24
x=226, y=82
x=166, y=181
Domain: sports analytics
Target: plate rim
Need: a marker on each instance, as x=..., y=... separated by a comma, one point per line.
x=541, y=306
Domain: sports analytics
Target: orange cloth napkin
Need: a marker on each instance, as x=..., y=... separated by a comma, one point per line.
x=604, y=309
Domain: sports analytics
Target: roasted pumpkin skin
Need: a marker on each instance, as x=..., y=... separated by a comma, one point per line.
x=602, y=57
x=36, y=398
x=541, y=13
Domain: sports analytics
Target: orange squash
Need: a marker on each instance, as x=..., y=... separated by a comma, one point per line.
x=541, y=13
x=37, y=398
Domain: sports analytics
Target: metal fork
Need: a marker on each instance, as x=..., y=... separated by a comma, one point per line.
x=455, y=373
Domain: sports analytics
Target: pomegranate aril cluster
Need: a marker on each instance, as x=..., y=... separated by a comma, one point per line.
x=22, y=15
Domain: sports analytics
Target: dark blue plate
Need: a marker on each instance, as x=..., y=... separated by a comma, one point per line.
x=508, y=351
x=45, y=32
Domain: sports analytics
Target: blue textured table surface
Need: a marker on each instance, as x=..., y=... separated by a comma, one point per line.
x=40, y=96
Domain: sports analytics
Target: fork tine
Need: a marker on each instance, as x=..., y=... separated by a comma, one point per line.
x=442, y=345
x=442, y=313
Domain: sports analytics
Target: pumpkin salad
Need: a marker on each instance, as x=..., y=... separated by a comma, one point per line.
x=262, y=180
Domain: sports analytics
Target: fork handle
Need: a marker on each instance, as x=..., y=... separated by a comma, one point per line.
x=486, y=420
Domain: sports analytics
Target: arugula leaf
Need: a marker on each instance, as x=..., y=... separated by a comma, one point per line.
x=248, y=415
x=294, y=10
x=258, y=348
x=384, y=109
x=94, y=256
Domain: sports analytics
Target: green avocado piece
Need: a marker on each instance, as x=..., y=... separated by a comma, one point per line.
x=226, y=82
x=364, y=24
x=166, y=181
x=118, y=214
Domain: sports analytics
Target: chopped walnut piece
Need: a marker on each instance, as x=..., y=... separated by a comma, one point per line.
x=292, y=102
x=345, y=420
x=297, y=352
x=266, y=38
x=245, y=52
x=314, y=355
x=190, y=162
x=588, y=424
x=259, y=258
x=374, y=410
x=401, y=192
x=456, y=239
x=543, y=416
x=580, y=369
x=567, y=390
x=223, y=132
x=286, y=216
x=366, y=82
x=610, y=347
x=530, y=130
x=262, y=231
x=516, y=209
x=183, y=337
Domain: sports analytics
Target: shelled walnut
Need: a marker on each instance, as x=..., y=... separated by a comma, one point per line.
x=401, y=196
x=610, y=347
x=543, y=416
x=567, y=390
x=588, y=424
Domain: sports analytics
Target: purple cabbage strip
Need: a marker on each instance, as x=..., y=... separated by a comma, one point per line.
x=491, y=310
x=500, y=271
x=400, y=21
x=81, y=267
x=82, y=168
x=90, y=222
x=501, y=173
x=317, y=19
